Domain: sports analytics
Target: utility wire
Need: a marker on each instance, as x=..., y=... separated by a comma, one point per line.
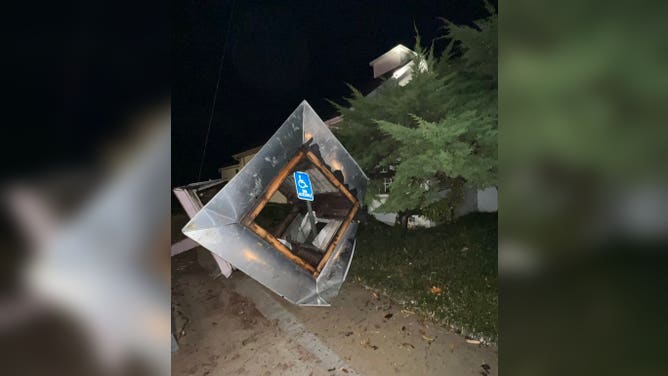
x=215, y=93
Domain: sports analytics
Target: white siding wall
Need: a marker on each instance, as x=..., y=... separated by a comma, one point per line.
x=227, y=173
x=387, y=218
x=484, y=200
x=488, y=200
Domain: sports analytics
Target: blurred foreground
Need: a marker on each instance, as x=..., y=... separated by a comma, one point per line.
x=90, y=288
x=85, y=190
x=584, y=198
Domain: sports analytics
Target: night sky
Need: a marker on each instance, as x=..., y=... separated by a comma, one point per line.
x=279, y=53
x=75, y=75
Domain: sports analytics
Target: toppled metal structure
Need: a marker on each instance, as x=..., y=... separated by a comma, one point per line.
x=192, y=198
x=299, y=251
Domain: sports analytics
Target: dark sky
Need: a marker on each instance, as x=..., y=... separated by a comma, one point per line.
x=74, y=74
x=279, y=53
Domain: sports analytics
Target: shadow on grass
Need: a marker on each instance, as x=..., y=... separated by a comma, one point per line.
x=459, y=258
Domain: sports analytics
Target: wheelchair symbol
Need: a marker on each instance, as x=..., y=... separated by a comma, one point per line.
x=303, y=186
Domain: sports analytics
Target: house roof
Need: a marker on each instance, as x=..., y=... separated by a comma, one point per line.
x=390, y=60
x=398, y=49
x=237, y=165
x=334, y=120
x=254, y=150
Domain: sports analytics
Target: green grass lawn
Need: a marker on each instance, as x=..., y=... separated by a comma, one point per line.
x=459, y=258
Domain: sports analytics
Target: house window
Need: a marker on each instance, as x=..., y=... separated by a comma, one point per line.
x=426, y=184
x=387, y=182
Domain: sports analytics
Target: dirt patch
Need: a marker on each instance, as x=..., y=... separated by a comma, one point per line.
x=245, y=311
x=376, y=337
x=227, y=335
x=223, y=333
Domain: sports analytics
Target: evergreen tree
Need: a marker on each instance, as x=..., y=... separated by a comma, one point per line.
x=439, y=131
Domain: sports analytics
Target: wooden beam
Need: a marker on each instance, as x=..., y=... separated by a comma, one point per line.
x=337, y=237
x=249, y=219
x=331, y=205
x=286, y=222
x=273, y=187
x=328, y=174
x=344, y=226
x=281, y=247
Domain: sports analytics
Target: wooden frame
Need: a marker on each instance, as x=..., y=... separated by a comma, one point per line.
x=249, y=218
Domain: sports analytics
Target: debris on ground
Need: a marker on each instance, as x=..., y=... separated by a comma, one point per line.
x=366, y=343
x=407, y=346
x=266, y=344
x=248, y=340
x=183, y=332
x=428, y=339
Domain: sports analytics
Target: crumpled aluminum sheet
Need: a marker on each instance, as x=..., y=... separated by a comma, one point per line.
x=218, y=226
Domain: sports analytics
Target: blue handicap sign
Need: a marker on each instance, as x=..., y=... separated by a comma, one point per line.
x=303, y=186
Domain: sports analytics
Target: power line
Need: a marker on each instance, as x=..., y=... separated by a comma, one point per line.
x=215, y=93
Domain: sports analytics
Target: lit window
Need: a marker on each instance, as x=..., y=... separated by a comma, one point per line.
x=386, y=184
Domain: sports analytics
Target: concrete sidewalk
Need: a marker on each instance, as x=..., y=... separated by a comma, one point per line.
x=237, y=327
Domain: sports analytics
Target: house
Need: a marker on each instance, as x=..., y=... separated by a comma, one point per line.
x=228, y=172
x=397, y=65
